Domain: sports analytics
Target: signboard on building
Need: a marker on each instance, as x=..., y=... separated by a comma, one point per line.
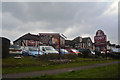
x=49, y=38
x=32, y=43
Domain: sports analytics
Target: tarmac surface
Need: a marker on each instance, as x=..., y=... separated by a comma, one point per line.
x=56, y=71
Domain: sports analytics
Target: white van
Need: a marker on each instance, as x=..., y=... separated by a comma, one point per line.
x=48, y=49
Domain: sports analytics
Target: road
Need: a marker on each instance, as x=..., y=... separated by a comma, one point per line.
x=56, y=71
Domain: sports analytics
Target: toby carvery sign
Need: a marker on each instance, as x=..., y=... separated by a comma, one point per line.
x=100, y=38
x=49, y=38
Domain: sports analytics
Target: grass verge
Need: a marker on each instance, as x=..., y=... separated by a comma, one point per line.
x=110, y=71
x=30, y=64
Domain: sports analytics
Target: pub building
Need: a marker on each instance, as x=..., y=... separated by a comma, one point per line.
x=48, y=39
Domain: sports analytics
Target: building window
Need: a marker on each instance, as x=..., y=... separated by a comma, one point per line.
x=80, y=39
x=89, y=44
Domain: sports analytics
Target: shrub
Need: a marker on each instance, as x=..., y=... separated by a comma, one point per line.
x=80, y=55
x=85, y=53
x=48, y=57
x=98, y=53
x=68, y=56
x=113, y=55
x=91, y=56
x=118, y=53
x=103, y=55
x=96, y=56
x=55, y=56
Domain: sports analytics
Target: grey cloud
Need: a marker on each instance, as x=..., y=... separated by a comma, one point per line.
x=14, y=8
x=72, y=19
x=9, y=22
x=53, y=11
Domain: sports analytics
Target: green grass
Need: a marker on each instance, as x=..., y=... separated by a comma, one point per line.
x=110, y=71
x=25, y=61
x=29, y=64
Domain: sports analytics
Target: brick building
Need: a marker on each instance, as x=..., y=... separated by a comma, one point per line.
x=69, y=44
x=80, y=43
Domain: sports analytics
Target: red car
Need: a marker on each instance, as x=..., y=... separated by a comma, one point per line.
x=73, y=51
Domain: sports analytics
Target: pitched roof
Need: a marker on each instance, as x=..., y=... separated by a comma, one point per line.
x=68, y=41
x=28, y=37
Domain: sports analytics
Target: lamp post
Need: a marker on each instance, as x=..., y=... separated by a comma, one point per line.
x=38, y=50
x=59, y=44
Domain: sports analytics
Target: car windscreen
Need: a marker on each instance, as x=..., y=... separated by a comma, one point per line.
x=33, y=49
x=49, y=48
x=15, y=47
x=68, y=50
x=74, y=50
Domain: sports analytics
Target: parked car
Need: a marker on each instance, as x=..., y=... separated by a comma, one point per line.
x=14, y=49
x=81, y=50
x=48, y=50
x=34, y=51
x=63, y=51
x=24, y=51
x=104, y=52
x=73, y=51
x=108, y=51
x=31, y=51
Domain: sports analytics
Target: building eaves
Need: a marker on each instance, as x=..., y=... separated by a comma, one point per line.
x=28, y=37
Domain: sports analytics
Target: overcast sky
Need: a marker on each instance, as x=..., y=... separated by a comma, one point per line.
x=69, y=18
